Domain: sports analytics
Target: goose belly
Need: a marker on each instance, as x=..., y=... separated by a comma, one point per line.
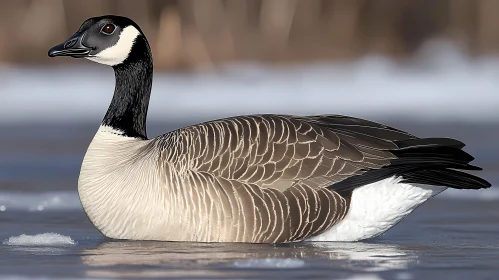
x=377, y=207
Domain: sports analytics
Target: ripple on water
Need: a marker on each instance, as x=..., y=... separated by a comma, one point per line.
x=270, y=263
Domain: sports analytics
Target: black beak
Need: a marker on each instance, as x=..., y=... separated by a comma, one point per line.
x=72, y=47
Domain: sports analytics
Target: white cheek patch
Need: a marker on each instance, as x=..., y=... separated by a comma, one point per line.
x=117, y=53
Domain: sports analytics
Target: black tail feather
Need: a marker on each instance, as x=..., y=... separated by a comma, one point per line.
x=434, y=154
x=430, y=161
x=429, y=142
x=447, y=178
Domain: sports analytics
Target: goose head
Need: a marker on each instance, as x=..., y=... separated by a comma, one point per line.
x=109, y=40
x=118, y=42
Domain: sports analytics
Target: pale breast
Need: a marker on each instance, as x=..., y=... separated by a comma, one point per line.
x=119, y=187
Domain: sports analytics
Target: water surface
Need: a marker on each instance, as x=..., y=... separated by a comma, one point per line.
x=454, y=236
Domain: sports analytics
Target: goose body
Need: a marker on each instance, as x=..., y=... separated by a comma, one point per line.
x=258, y=178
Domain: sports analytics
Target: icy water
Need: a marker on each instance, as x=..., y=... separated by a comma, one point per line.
x=44, y=233
x=454, y=236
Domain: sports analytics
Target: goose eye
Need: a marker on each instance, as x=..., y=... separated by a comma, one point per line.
x=108, y=29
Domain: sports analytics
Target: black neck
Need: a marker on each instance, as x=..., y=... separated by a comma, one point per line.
x=128, y=109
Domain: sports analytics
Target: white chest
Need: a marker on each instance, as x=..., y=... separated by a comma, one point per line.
x=119, y=187
x=377, y=207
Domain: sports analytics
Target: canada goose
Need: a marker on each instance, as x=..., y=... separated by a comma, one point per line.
x=258, y=178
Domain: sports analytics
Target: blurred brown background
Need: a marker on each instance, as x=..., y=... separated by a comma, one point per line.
x=192, y=34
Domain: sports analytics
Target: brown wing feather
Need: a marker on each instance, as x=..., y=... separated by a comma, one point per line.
x=269, y=149
x=275, y=169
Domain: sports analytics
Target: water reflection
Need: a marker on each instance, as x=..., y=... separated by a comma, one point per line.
x=176, y=259
x=370, y=256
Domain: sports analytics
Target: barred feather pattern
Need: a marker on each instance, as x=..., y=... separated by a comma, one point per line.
x=261, y=178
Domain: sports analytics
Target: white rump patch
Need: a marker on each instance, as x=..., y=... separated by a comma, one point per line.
x=44, y=239
x=377, y=207
x=117, y=53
